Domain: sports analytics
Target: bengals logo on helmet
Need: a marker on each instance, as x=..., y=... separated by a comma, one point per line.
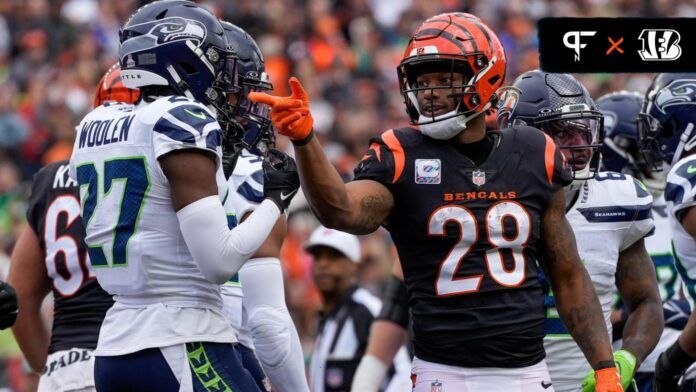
x=111, y=88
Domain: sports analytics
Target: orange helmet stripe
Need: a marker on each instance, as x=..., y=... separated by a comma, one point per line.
x=549, y=157
x=437, y=33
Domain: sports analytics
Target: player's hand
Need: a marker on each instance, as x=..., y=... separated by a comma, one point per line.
x=280, y=178
x=666, y=379
x=604, y=380
x=290, y=115
x=232, y=136
x=8, y=305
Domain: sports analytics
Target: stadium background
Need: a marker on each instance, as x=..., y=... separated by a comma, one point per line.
x=52, y=52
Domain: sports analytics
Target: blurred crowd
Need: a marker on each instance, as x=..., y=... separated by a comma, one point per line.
x=52, y=52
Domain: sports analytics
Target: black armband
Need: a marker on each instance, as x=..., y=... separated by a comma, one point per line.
x=300, y=143
x=395, y=307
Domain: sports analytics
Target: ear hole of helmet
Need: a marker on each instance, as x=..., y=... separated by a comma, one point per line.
x=188, y=68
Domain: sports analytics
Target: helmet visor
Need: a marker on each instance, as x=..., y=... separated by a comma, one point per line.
x=577, y=137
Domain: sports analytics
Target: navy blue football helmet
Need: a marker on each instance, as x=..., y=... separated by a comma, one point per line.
x=666, y=124
x=562, y=108
x=251, y=76
x=180, y=45
x=620, y=148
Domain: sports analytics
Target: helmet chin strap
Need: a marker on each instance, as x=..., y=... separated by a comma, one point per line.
x=686, y=144
x=449, y=127
x=579, y=178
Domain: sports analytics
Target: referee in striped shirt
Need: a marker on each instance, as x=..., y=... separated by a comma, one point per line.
x=347, y=314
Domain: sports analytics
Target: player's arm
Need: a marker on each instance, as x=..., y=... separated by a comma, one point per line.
x=680, y=355
x=219, y=251
x=276, y=341
x=687, y=340
x=574, y=293
x=358, y=207
x=387, y=335
x=29, y=277
x=637, y=284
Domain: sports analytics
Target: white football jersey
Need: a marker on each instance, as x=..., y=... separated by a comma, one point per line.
x=244, y=194
x=611, y=213
x=680, y=194
x=659, y=246
x=136, y=247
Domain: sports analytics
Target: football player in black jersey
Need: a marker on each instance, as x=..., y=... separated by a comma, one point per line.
x=51, y=255
x=472, y=214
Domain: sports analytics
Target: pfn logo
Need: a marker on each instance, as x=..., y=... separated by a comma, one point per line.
x=575, y=44
x=660, y=45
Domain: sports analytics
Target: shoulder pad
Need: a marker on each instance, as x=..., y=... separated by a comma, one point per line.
x=620, y=188
x=681, y=183
x=176, y=106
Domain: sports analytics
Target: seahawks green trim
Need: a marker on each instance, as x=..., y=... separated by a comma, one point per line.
x=203, y=369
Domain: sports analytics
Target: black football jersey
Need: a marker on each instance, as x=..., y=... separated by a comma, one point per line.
x=79, y=302
x=468, y=238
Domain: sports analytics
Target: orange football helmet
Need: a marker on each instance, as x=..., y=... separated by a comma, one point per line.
x=454, y=42
x=111, y=88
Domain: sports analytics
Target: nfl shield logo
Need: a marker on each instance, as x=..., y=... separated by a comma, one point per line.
x=436, y=386
x=478, y=177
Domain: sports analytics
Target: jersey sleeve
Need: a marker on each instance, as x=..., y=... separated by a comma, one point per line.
x=680, y=190
x=246, y=188
x=40, y=189
x=643, y=224
x=557, y=168
x=383, y=161
x=542, y=162
x=183, y=124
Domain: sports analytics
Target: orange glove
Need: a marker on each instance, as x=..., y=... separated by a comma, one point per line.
x=608, y=380
x=290, y=115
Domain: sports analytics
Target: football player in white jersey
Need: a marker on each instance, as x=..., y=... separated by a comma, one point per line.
x=666, y=129
x=151, y=185
x=51, y=256
x=255, y=297
x=610, y=216
x=620, y=153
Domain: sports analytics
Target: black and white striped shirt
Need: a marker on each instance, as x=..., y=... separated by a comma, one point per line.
x=341, y=343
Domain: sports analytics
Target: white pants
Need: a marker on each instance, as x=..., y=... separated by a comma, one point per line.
x=435, y=377
x=68, y=371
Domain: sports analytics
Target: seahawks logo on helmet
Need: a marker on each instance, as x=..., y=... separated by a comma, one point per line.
x=677, y=92
x=174, y=29
x=610, y=120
